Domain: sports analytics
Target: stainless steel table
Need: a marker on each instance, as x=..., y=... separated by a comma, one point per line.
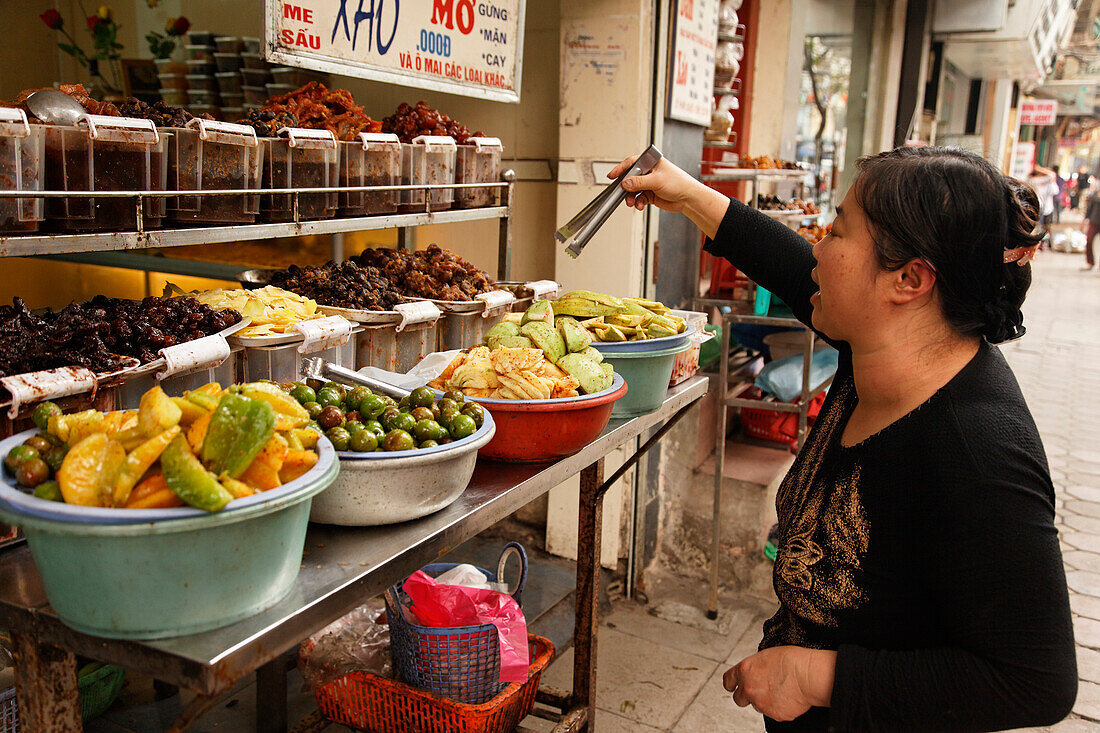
x=342, y=568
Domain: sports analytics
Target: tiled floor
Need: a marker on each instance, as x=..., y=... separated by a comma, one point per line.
x=659, y=675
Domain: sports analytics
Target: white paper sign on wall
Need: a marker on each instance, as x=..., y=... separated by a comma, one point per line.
x=691, y=62
x=468, y=47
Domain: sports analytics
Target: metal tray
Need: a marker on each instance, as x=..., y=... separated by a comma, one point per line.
x=466, y=306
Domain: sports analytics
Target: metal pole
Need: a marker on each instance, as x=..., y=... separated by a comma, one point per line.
x=504, y=246
x=589, y=529
x=45, y=686
x=719, y=465
x=338, y=247
x=271, y=716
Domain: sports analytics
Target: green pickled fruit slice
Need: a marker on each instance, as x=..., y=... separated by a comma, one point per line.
x=587, y=372
x=541, y=311
x=577, y=338
x=545, y=337
x=501, y=330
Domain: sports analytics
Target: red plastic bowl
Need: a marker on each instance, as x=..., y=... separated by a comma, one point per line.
x=541, y=430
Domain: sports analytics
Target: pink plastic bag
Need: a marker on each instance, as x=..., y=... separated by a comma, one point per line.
x=455, y=605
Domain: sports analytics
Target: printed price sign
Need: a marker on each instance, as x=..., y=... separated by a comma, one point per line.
x=1038, y=113
x=691, y=65
x=468, y=47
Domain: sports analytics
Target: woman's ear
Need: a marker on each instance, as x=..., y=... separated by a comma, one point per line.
x=913, y=281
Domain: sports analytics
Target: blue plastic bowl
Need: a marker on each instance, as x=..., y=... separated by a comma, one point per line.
x=155, y=573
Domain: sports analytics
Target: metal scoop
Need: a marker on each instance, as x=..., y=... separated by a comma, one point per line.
x=50, y=105
x=585, y=224
x=320, y=369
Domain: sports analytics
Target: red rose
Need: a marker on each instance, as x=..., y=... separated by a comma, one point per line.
x=93, y=21
x=180, y=26
x=52, y=19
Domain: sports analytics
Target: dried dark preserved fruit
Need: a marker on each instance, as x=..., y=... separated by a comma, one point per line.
x=411, y=122
x=432, y=273
x=347, y=284
x=267, y=123
x=159, y=112
x=317, y=107
x=95, y=333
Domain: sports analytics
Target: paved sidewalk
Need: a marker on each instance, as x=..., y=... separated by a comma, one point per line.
x=657, y=675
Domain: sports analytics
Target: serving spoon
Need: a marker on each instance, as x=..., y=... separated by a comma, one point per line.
x=51, y=105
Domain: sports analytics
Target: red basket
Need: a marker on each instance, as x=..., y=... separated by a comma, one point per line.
x=379, y=705
x=780, y=427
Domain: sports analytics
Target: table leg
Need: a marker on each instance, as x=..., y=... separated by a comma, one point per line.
x=45, y=686
x=271, y=714
x=589, y=527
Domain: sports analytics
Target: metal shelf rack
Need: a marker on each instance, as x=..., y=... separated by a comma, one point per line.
x=30, y=245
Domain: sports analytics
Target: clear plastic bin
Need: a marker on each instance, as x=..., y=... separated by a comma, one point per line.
x=478, y=162
x=105, y=154
x=427, y=160
x=284, y=363
x=299, y=158
x=22, y=151
x=375, y=160
x=209, y=156
x=132, y=389
x=395, y=351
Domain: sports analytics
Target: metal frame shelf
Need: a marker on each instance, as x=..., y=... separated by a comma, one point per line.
x=30, y=245
x=344, y=567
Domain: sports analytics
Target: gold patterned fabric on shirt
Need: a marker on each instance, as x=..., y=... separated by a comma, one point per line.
x=823, y=533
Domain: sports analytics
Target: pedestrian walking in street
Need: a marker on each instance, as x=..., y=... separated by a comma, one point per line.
x=1060, y=195
x=1090, y=225
x=1045, y=183
x=919, y=575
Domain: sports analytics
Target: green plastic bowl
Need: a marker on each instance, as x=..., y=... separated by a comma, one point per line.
x=173, y=577
x=647, y=374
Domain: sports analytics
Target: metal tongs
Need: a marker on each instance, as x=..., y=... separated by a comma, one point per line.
x=585, y=224
x=317, y=368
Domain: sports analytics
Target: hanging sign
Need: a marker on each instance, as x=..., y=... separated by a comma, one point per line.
x=691, y=61
x=1042, y=112
x=1023, y=160
x=467, y=47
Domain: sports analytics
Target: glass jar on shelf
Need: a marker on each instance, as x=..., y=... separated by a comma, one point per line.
x=727, y=63
x=727, y=16
x=721, y=120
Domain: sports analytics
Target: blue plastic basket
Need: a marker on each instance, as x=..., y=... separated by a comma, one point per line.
x=461, y=662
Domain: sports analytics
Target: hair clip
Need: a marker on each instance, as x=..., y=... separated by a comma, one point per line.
x=1021, y=255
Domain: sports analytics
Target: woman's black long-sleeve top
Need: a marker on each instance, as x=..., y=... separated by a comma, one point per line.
x=926, y=555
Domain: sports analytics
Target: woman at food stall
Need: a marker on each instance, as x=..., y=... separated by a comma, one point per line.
x=919, y=576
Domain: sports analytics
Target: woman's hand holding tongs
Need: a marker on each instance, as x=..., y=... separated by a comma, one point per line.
x=671, y=189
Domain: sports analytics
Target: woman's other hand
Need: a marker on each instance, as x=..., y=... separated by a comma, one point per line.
x=669, y=188
x=783, y=682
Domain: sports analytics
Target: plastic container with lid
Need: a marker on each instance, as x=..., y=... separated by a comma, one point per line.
x=201, y=97
x=256, y=78
x=228, y=44
x=209, y=155
x=229, y=82
x=478, y=162
x=232, y=100
x=174, y=97
x=22, y=155
x=228, y=62
x=299, y=158
x=254, y=95
x=105, y=154
x=253, y=60
x=279, y=357
x=201, y=66
x=429, y=159
x=396, y=340
x=201, y=82
x=173, y=81
x=199, y=53
x=373, y=160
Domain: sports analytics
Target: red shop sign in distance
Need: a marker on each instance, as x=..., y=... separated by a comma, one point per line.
x=1038, y=113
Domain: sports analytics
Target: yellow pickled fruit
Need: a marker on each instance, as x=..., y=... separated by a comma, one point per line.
x=89, y=469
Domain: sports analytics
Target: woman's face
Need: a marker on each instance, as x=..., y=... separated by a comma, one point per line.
x=851, y=302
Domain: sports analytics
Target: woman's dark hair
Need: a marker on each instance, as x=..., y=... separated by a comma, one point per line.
x=952, y=209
